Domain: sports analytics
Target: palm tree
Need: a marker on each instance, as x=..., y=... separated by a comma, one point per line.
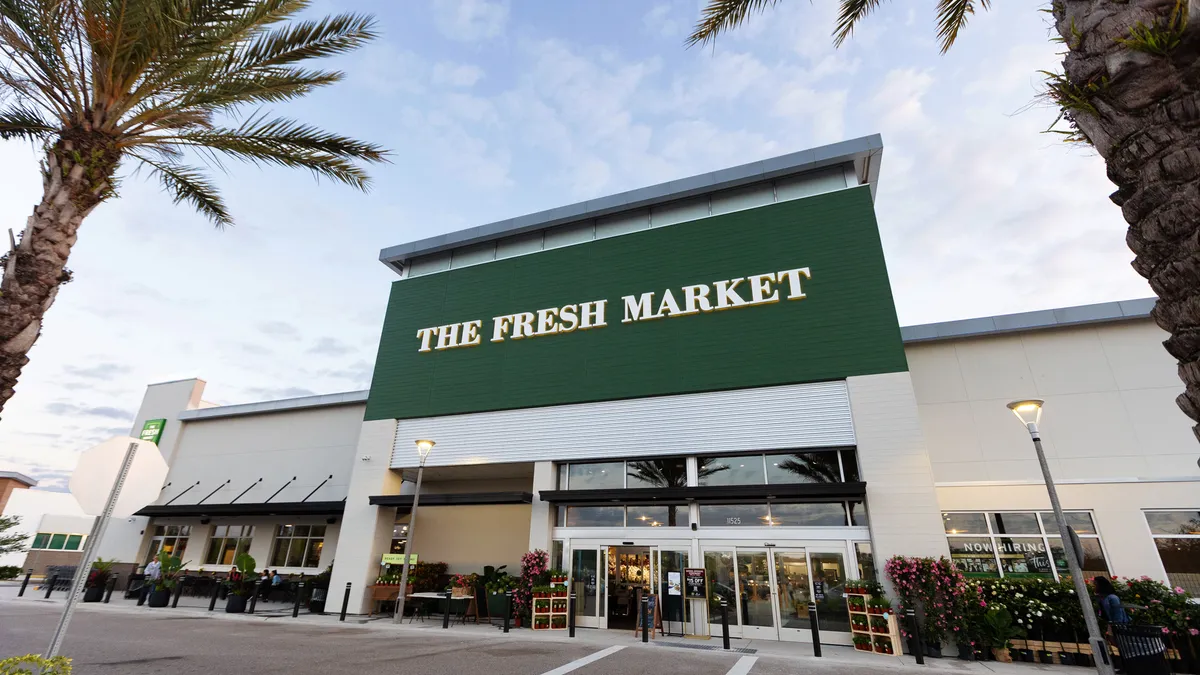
x=101, y=83
x=814, y=467
x=1127, y=88
x=671, y=473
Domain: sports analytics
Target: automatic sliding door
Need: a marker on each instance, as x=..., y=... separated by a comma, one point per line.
x=586, y=574
x=829, y=582
x=757, y=610
x=793, y=595
x=722, y=585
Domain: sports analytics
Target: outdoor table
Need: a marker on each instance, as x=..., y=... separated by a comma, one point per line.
x=433, y=595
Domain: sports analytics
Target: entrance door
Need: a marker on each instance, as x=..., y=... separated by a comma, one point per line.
x=670, y=589
x=756, y=595
x=588, y=569
x=792, y=594
x=828, y=570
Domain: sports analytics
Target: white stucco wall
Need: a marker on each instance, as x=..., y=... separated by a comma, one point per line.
x=44, y=511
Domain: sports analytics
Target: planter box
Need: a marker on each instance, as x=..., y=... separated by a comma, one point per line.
x=159, y=598
x=1002, y=655
x=94, y=594
x=235, y=604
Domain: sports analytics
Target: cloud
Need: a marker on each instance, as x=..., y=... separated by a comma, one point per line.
x=470, y=20
x=253, y=349
x=280, y=329
x=99, y=371
x=358, y=373
x=456, y=74
x=61, y=408
x=331, y=347
x=275, y=393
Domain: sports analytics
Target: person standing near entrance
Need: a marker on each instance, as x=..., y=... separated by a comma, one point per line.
x=152, y=575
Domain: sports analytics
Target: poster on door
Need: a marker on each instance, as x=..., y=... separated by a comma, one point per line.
x=695, y=584
x=674, y=584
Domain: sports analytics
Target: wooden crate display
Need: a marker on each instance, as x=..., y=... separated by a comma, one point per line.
x=551, y=607
x=862, y=624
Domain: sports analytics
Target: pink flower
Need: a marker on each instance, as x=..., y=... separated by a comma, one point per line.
x=1165, y=629
x=1179, y=590
x=1193, y=632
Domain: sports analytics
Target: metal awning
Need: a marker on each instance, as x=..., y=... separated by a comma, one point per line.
x=404, y=502
x=796, y=492
x=247, y=509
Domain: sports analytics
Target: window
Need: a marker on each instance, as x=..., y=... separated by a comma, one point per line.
x=1177, y=537
x=298, y=546
x=809, y=515
x=668, y=472
x=57, y=542
x=866, y=560
x=744, y=470
x=595, y=516
x=399, y=535
x=169, y=538
x=776, y=514
x=1019, y=544
x=227, y=543
x=804, y=467
x=642, y=473
x=822, y=466
x=657, y=516
x=607, y=475
x=734, y=515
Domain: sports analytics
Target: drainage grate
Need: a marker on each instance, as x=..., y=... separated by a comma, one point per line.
x=706, y=648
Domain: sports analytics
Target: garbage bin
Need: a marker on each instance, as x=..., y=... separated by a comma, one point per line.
x=1142, y=649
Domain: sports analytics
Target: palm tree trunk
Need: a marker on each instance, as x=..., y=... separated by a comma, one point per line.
x=74, y=181
x=1139, y=105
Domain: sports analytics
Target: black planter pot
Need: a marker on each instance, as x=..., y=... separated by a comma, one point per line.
x=1025, y=655
x=222, y=592
x=1084, y=660
x=1066, y=658
x=94, y=594
x=933, y=650
x=235, y=604
x=982, y=653
x=159, y=598
x=495, y=605
x=1044, y=656
x=966, y=653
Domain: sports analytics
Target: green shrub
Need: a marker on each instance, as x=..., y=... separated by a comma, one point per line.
x=32, y=664
x=9, y=572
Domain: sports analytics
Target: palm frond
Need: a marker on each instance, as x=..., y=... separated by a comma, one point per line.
x=187, y=184
x=952, y=15
x=18, y=121
x=308, y=40
x=286, y=143
x=849, y=14
x=719, y=16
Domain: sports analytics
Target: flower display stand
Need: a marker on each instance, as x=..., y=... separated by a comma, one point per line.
x=884, y=640
x=550, y=613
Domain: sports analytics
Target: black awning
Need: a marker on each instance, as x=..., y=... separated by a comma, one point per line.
x=794, y=492
x=455, y=499
x=247, y=509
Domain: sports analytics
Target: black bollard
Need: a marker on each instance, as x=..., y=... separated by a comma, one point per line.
x=571, y=616
x=446, y=616
x=24, y=583
x=646, y=621
x=212, y=601
x=112, y=583
x=345, y=602
x=816, y=628
x=178, y=592
x=296, y=606
x=50, y=586
x=724, y=624
x=915, y=644
x=507, y=609
x=253, y=601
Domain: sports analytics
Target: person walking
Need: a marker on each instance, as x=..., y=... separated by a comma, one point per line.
x=151, y=576
x=264, y=586
x=1138, y=655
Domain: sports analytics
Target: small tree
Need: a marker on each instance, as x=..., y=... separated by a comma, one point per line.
x=10, y=541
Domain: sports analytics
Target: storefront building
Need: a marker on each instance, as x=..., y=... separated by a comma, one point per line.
x=709, y=374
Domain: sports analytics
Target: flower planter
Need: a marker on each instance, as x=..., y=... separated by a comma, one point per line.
x=1002, y=655
x=235, y=604
x=983, y=654
x=966, y=653
x=1066, y=658
x=1025, y=655
x=94, y=594
x=159, y=598
x=1044, y=656
x=933, y=650
x=863, y=648
x=496, y=604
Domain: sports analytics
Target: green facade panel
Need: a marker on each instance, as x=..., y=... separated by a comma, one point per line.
x=844, y=326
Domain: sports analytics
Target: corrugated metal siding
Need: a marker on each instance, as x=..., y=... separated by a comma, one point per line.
x=791, y=416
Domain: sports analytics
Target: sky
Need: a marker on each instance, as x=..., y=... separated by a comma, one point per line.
x=497, y=108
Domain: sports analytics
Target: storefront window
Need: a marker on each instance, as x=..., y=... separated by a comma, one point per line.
x=658, y=516
x=858, y=514
x=607, y=475
x=298, y=546
x=979, y=548
x=804, y=467
x=866, y=561
x=227, y=543
x=666, y=472
x=595, y=516
x=734, y=515
x=718, y=567
x=815, y=514
x=849, y=465
x=744, y=470
x=1177, y=538
x=399, y=536
x=57, y=542
x=171, y=539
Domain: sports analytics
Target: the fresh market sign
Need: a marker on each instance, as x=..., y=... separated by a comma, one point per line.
x=741, y=292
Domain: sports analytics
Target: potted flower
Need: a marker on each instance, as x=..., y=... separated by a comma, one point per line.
x=463, y=585
x=852, y=586
x=171, y=568
x=541, y=622
x=858, y=621
x=862, y=643
x=879, y=624
x=97, y=580
x=878, y=605
x=857, y=603
x=999, y=632
x=883, y=645
x=241, y=588
x=558, y=621
x=319, y=590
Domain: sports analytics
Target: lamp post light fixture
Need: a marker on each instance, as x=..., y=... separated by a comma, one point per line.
x=424, y=447
x=1029, y=411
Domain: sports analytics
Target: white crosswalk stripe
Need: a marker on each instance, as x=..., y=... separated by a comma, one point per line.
x=579, y=663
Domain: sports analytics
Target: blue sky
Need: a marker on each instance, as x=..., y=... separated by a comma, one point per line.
x=494, y=109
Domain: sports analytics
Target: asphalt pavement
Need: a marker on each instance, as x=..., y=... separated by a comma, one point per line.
x=108, y=639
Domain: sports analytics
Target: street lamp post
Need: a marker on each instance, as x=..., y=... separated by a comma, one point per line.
x=1030, y=413
x=423, y=449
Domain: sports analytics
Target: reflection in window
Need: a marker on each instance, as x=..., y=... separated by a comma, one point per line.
x=850, y=465
x=858, y=514
x=607, y=475
x=1079, y=521
x=227, y=543
x=1014, y=523
x=816, y=514
x=1177, y=538
x=866, y=561
x=804, y=467
x=718, y=567
x=979, y=549
x=974, y=556
x=744, y=470
x=675, y=515
x=734, y=515
x=1092, y=565
x=667, y=473
x=298, y=546
x=1024, y=557
x=595, y=516
x=965, y=523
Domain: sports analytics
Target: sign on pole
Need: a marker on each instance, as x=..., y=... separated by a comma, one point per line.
x=97, y=470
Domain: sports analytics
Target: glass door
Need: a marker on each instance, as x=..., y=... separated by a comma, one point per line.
x=722, y=585
x=670, y=589
x=792, y=594
x=588, y=569
x=828, y=570
x=756, y=595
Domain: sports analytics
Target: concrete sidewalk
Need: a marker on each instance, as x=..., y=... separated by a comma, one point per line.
x=600, y=639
